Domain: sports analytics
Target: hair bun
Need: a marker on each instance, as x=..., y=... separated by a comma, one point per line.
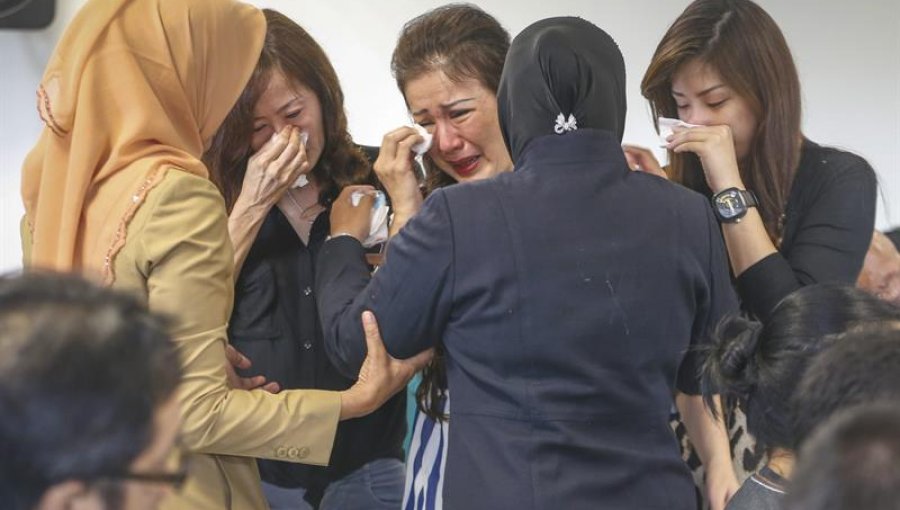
x=731, y=365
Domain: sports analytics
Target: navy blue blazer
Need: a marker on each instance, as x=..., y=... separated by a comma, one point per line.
x=568, y=294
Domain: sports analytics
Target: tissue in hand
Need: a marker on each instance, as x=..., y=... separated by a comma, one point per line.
x=378, y=226
x=423, y=146
x=666, y=128
x=302, y=180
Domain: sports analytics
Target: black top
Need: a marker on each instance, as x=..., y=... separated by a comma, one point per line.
x=566, y=295
x=276, y=325
x=829, y=220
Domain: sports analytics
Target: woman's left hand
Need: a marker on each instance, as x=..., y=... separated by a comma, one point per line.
x=237, y=361
x=354, y=220
x=721, y=483
x=714, y=145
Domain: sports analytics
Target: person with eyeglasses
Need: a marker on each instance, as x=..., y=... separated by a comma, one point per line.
x=88, y=413
x=115, y=190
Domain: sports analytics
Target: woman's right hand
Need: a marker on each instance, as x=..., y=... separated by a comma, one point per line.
x=381, y=375
x=273, y=169
x=395, y=168
x=642, y=160
x=880, y=273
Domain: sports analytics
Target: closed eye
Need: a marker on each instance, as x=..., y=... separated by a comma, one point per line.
x=457, y=114
x=294, y=114
x=717, y=104
x=257, y=129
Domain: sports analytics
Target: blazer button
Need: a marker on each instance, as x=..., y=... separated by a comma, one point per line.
x=281, y=452
x=303, y=453
x=307, y=345
x=293, y=452
x=307, y=291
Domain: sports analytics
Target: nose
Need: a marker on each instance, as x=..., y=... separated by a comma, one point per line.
x=446, y=138
x=279, y=124
x=699, y=115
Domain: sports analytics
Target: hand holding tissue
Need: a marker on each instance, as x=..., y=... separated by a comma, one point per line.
x=378, y=227
x=667, y=128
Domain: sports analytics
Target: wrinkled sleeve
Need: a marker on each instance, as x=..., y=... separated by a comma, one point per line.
x=186, y=259
x=720, y=301
x=830, y=245
x=410, y=293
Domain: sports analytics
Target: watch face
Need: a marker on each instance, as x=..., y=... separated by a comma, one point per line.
x=730, y=205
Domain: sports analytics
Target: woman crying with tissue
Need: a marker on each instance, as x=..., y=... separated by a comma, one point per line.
x=447, y=64
x=281, y=157
x=561, y=394
x=792, y=212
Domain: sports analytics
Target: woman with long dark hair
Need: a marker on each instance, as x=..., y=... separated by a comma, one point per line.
x=792, y=212
x=280, y=158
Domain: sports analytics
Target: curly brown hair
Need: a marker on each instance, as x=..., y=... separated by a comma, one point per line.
x=289, y=49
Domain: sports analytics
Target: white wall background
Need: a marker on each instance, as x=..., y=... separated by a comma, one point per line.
x=848, y=54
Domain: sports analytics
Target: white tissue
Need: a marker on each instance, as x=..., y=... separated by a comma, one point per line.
x=423, y=146
x=666, y=128
x=302, y=180
x=378, y=226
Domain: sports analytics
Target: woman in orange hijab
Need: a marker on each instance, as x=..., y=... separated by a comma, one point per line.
x=115, y=189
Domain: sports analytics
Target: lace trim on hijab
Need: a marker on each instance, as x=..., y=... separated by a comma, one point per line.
x=153, y=178
x=46, y=113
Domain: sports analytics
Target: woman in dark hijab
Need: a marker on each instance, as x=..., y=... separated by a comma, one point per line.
x=562, y=387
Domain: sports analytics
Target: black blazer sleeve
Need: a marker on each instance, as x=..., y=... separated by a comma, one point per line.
x=410, y=293
x=833, y=233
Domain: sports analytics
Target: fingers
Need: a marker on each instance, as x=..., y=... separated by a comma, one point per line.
x=281, y=165
x=272, y=387
x=376, y=351
x=236, y=359
x=419, y=361
x=274, y=147
x=391, y=146
x=404, y=146
x=640, y=158
x=347, y=193
x=702, y=134
x=249, y=383
x=366, y=201
x=632, y=160
x=299, y=165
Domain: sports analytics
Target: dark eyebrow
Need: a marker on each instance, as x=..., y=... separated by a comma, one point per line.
x=707, y=91
x=445, y=106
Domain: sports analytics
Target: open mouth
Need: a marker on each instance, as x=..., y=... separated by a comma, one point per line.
x=466, y=167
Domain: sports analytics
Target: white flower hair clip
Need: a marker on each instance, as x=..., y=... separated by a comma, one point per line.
x=563, y=125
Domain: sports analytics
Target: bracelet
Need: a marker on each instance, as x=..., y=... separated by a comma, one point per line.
x=340, y=234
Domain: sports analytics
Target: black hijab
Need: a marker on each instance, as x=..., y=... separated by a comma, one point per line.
x=561, y=74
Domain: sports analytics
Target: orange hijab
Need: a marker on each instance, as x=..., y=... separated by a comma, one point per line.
x=134, y=88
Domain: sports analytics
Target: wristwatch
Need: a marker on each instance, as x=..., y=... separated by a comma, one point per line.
x=730, y=205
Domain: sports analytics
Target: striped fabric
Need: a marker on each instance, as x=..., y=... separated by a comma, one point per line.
x=425, y=463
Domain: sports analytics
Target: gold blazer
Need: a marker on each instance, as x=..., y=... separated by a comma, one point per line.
x=179, y=258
